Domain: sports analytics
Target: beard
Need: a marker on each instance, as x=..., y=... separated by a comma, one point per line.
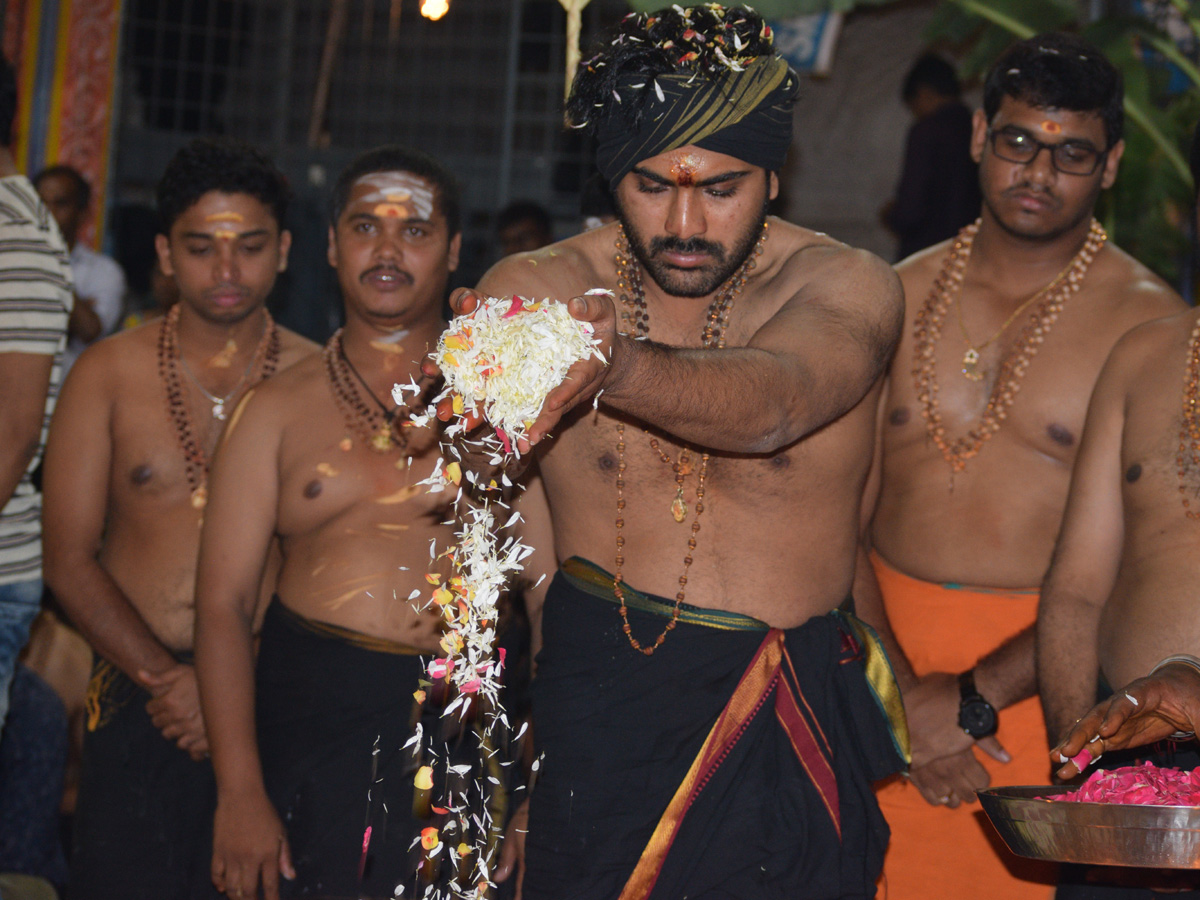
x=701, y=280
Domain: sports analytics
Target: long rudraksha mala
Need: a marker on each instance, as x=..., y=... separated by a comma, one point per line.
x=633, y=300
x=927, y=330
x=1189, y=428
x=263, y=363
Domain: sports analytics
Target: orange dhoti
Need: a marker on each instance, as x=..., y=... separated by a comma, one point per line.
x=938, y=853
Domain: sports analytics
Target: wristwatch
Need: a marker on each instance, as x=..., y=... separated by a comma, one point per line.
x=976, y=716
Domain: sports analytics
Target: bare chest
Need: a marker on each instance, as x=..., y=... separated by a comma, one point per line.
x=331, y=474
x=1160, y=457
x=1030, y=394
x=598, y=450
x=158, y=459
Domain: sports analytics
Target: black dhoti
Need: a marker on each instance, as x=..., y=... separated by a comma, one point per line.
x=736, y=762
x=334, y=711
x=144, y=817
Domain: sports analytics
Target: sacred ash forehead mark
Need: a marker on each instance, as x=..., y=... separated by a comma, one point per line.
x=226, y=234
x=398, y=195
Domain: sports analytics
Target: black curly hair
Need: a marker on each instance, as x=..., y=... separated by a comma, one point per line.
x=219, y=164
x=707, y=40
x=1058, y=71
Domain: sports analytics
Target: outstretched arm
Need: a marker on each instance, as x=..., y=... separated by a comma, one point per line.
x=810, y=363
x=1084, y=568
x=249, y=841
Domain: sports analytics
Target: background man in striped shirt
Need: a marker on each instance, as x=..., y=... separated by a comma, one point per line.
x=35, y=303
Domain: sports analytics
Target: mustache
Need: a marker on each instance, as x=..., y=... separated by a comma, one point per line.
x=670, y=244
x=1027, y=187
x=390, y=269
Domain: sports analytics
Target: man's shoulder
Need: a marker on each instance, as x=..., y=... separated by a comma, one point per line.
x=560, y=270
x=284, y=398
x=1134, y=292
x=292, y=383
x=794, y=244
x=294, y=347
x=25, y=218
x=812, y=271
x=919, y=270
x=1153, y=340
x=814, y=261
x=19, y=202
x=127, y=358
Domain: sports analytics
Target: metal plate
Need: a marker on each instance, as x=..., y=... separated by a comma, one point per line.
x=1105, y=834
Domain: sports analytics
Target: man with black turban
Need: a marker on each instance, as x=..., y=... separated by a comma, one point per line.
x=711, y=712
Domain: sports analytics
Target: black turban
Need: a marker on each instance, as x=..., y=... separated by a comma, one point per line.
x=745, y=114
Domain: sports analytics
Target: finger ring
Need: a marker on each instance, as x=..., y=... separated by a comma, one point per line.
x=945, y=798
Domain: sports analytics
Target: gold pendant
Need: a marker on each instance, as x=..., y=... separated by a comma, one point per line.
x=970, y=365
x=381, y=441
x=679, y=509
x=200, y=497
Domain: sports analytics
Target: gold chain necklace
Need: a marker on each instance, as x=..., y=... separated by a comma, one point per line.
x=633, y=301
x=927, y=330
x=1189, y=428
x=970, y=360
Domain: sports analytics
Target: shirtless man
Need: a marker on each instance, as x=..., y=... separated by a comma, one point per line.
x=723, y=467
x=974, y=475
x=1120, y=596
x=319, y=458
x=125, y=488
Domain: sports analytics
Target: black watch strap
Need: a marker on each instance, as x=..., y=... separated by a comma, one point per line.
x=976, y=716
x=966, y=686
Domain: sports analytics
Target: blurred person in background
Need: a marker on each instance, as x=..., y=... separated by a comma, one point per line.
x=938, y=192
x=99, y=279
x=523, y=226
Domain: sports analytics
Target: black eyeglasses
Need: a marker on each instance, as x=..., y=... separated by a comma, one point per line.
x=1068, y=157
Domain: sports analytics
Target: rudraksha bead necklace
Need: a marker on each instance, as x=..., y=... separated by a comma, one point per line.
x=376, y=423
x=1189, y=428
x=633, y=300
x=263, y=361
x=927, y=330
